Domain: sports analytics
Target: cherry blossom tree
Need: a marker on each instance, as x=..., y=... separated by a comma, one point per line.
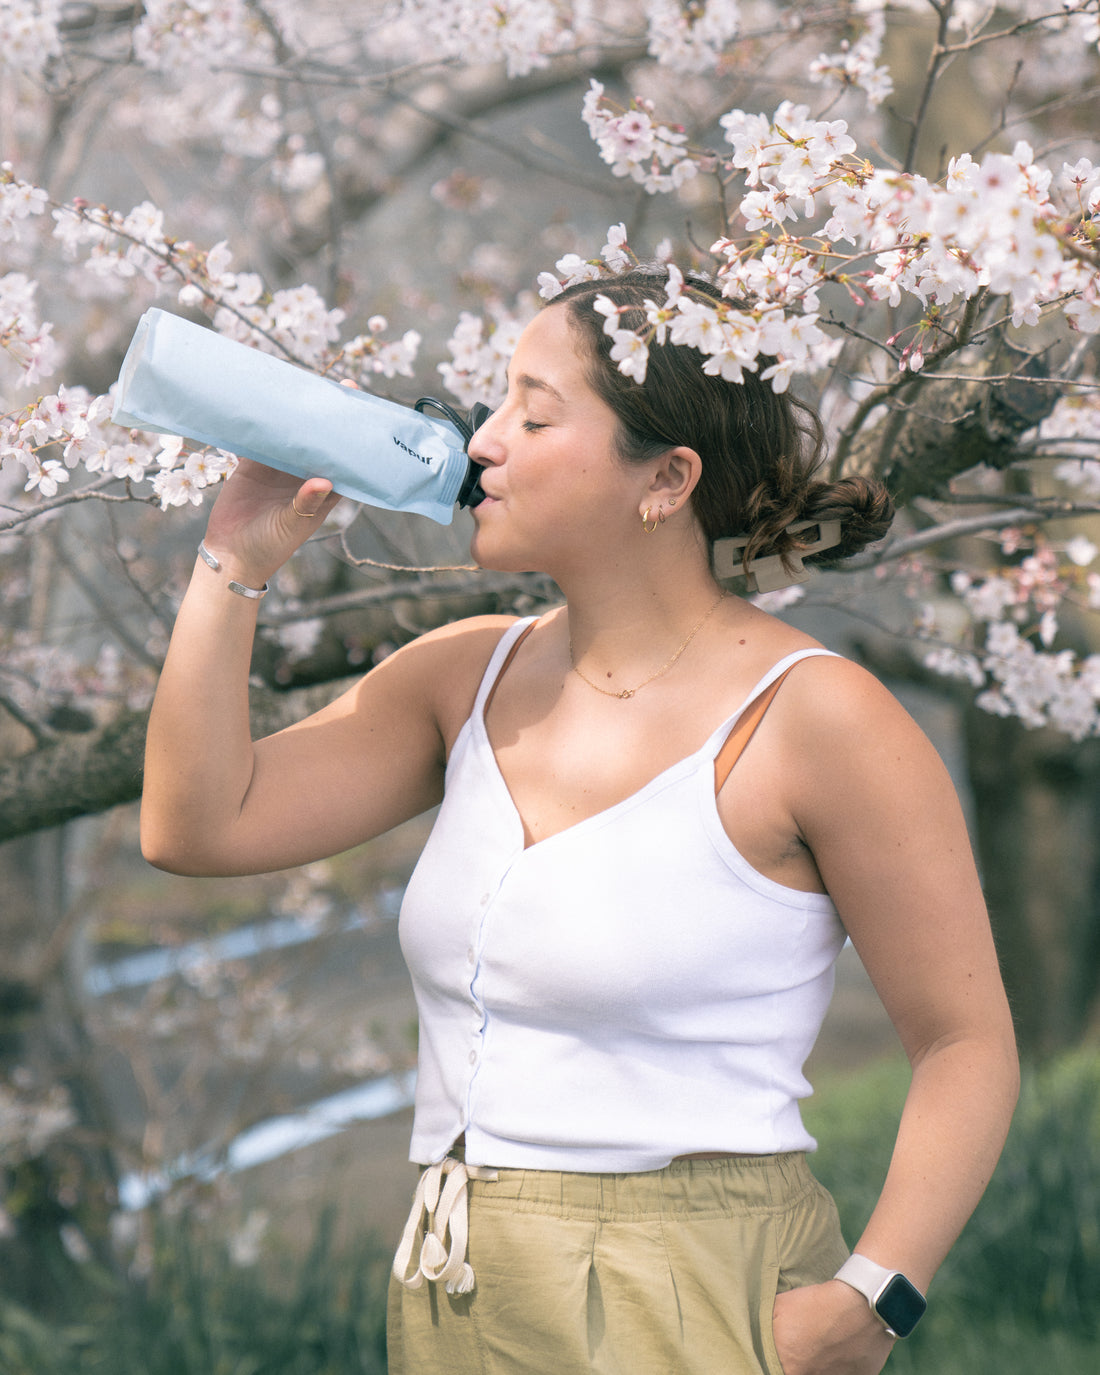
x=899, y=201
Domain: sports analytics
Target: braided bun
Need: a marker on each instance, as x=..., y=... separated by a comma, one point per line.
x=864, y=508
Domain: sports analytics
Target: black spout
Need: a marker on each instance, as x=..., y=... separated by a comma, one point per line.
x=470, y=493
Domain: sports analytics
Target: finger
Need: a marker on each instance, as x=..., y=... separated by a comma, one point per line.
x=314, y=499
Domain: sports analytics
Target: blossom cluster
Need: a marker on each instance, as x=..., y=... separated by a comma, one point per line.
x=480, y=350
x=199, y=57
x=992, y=228
x=67, y=429
x=1073, y=428
x=29, y=37
x=634, y=144
x=182, y=35
x=1017, y=607
x=856, y=65
x=1081, y=473
x=1018, y=670
x=117, y=248
x=526, y=34
x=59, y=432
x=732, y=339
x=371, y=353
x=691, y=38
x=522, y=34
x=39, y=678
x=27, y=341
x=969, y=17
x=20, y=202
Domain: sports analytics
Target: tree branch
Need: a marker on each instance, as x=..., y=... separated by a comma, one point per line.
x=77, y=775
x=457, y=110
x=894, y=549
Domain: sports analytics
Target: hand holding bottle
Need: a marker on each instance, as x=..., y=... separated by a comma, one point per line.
x=261, y=516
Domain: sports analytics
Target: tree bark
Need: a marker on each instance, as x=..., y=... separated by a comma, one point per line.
x=82, y=774
x=1037, y=820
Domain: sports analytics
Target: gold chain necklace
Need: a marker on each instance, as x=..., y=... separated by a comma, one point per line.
x=629, y=692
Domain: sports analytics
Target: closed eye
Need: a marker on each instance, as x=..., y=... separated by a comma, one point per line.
x=531, y=426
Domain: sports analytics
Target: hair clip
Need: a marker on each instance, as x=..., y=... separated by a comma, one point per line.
x=770, y=574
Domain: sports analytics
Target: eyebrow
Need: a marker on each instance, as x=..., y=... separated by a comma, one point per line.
x=529, y=383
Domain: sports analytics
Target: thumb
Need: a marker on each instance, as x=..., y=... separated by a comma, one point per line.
x=314, y=499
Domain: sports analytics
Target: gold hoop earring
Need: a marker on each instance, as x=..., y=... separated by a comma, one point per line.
x=649, y=529
x=660, y=515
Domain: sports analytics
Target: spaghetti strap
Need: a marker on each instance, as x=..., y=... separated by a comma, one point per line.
x=504, y=666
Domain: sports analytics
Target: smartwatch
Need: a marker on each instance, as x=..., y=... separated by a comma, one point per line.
x=898, y=1303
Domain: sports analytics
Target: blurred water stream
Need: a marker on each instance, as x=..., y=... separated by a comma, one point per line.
x=280, y=1134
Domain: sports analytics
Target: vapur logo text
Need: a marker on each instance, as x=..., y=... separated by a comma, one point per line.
x=408, y=450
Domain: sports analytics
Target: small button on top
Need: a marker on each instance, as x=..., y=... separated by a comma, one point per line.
x=473, y=1057
x=471, y=958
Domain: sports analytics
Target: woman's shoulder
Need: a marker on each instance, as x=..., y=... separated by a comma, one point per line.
x=447, y=664
x=837, y=715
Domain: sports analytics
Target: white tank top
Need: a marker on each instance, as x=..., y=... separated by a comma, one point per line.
x=625, y=991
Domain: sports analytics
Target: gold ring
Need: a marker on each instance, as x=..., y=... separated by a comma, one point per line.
x=309, y=515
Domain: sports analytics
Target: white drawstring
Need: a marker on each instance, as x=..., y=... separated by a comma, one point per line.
x=446, y=1210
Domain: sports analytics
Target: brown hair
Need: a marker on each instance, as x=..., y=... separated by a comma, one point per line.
x=760, y=449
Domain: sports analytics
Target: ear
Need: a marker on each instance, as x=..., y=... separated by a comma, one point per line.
x=673, y=478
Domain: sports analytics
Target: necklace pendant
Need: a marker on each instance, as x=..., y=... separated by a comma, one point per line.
x=626, y=692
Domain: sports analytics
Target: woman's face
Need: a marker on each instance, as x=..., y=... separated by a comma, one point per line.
x=556, y=492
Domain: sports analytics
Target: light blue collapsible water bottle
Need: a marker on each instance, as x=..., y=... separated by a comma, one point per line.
x=183, y=379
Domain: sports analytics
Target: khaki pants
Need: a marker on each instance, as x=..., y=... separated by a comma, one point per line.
x=669, y=1272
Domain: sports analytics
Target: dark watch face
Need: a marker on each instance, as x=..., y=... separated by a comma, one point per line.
x=900, y=1305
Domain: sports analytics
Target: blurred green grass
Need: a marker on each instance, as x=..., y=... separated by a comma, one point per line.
x=198, y=1313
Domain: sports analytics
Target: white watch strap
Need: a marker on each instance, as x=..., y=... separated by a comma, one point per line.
x=867, y=1276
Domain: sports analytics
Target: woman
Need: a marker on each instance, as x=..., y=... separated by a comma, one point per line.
x=621, y=950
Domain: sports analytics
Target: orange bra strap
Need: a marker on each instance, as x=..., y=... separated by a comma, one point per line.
x=504, y=667
x=742, y=733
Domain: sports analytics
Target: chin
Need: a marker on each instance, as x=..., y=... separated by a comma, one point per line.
x=499, y=560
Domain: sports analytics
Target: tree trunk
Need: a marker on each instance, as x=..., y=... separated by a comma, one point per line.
x=44, y=1042
x=1037, y=806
